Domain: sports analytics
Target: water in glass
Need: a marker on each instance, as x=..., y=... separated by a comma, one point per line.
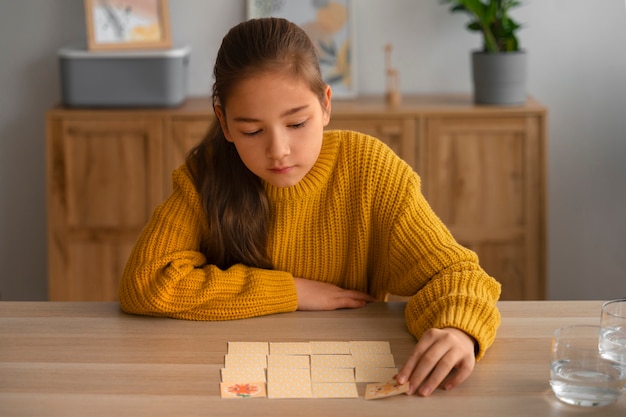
x=577, y=384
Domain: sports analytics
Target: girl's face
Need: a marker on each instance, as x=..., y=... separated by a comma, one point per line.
x=276, y=123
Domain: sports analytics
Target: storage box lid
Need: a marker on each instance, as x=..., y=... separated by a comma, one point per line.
x=81, y=52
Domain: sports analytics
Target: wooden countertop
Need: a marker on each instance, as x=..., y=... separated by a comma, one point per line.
x=91, y=359
x=362, y=106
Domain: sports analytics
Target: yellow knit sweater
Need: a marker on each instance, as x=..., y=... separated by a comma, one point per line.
x=357, y=220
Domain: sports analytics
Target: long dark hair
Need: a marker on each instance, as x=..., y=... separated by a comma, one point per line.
x=233, y=198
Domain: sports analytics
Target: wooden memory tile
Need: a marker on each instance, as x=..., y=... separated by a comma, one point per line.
x=357, y=347
x=364, y=374
x=242, y=390
x=290, y=348
x=384, y=389
x=242, y=360
x=332, y=361
x=330, y=348
x=335, y=390
x=374, y=360
x=289, y=361
x=288, y=383
x=248, y=347
x=332, y=375
x=243, y=374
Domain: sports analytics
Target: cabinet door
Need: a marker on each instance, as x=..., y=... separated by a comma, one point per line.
x=186, y=132
x=398, y=134
x=103, y=185
x=484, y=180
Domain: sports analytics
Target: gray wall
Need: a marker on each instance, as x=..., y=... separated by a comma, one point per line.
x=577, y=69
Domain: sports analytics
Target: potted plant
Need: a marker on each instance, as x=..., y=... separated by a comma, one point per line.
x=499, y=69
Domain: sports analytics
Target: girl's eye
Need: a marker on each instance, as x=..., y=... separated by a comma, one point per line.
x=256, y=132
x=298, y=125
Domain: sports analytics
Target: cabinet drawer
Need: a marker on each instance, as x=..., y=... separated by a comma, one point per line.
x=107, y=171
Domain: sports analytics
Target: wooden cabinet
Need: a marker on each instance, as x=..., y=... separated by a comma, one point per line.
x=398, y=133
x=103, y=183
x=186, y=132
x=485, y=180
x=482, y=170
x=107, y=171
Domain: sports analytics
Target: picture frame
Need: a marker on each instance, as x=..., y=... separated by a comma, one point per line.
x=127, y=24
x=331, y=27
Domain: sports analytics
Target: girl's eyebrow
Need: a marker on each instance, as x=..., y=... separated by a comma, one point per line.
x=284, y=114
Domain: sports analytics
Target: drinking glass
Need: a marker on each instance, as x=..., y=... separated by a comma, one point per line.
x=613, y=333
x=579, y=375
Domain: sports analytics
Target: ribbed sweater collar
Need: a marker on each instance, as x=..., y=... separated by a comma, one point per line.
x=316, y=178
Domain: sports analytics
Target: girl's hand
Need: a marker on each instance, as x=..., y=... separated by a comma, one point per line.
x=316, y=295
x=438, y=353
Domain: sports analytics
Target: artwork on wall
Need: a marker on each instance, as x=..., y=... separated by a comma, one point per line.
x=330, y=25
x=127, y=24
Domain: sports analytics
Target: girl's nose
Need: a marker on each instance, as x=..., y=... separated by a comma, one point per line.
x=278, y=146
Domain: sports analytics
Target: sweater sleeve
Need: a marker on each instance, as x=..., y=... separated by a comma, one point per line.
x=447, y=286
x=167, y=275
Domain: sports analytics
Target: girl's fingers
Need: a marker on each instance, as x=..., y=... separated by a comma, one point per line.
x=459, y=376
x=353, y=299
x=358, y=295
x=440, y=372
x=415, y=369
x=349, y=303
x=439, y=357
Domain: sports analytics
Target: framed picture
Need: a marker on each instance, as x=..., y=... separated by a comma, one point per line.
x=330, y=25
x=127, y=24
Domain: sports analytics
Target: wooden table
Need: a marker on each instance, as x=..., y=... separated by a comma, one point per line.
x=90, y=359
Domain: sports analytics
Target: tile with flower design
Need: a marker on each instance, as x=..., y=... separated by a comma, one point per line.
x=242, y=390
x=383, y=390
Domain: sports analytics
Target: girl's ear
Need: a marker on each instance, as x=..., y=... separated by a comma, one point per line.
x=222, y=119
x=328, y=94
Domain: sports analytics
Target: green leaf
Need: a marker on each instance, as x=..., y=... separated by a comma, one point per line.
x=474, y=26
x=491, y=18
x=458, y=8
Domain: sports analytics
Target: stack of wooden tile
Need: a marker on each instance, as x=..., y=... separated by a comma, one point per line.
x=318, y=369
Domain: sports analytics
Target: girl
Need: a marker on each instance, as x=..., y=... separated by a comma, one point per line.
x=270, y=213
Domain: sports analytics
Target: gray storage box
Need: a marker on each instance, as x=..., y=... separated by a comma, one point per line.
x=123, y=78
